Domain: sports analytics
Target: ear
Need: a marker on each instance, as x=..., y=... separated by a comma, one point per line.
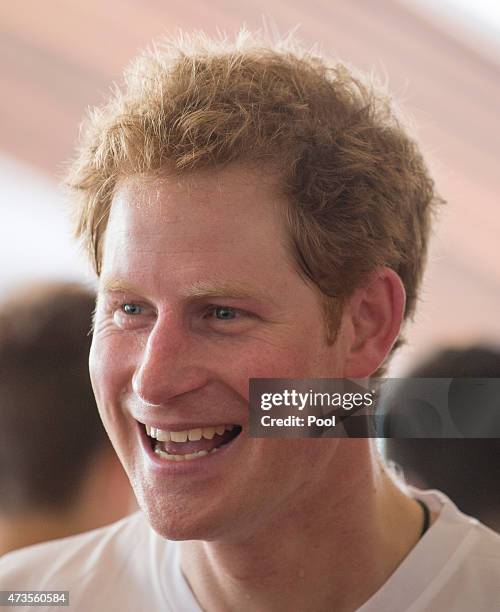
x=374, y=314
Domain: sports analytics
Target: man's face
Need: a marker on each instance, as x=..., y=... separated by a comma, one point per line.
x=197, y=295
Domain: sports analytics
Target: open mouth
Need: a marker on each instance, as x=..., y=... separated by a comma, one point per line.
x=190, y=444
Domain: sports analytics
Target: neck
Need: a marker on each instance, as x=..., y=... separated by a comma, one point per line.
x=331, y=551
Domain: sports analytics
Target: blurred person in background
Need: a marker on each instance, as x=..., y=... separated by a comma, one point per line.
x=59, y=475
x=467, y=470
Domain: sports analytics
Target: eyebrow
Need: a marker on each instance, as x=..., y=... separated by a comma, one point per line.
x=204, y=289
x=198, y=290
x=111, y=285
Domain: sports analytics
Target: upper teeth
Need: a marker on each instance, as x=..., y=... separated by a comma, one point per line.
x=189, y=434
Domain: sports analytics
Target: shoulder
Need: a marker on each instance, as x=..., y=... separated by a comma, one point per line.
x=59, y=564
x=478, y=557
x=124, y=566
x=469, y=571
x=455, y=565
x=470, y=578
x=464, y=535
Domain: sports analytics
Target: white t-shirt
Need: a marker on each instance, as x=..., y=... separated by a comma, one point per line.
x=128, y=567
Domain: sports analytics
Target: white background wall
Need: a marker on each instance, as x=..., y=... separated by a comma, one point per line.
x=35, y=235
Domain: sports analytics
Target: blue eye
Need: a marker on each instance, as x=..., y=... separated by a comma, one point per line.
x=131, y=309
x=224, y=313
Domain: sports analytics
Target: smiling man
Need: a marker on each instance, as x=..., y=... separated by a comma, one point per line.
x=253, y=213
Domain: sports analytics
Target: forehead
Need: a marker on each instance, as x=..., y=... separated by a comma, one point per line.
x=236, y=199
x=212, y=223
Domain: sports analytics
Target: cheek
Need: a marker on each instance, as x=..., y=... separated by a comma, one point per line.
x=300, y=360
x=94, y=368
x=99, y=374
x=108, y=373
x=99, y=368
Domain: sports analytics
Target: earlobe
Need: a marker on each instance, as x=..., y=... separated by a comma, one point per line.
x=376, y=313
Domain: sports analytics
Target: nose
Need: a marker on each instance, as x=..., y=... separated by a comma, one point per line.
x=171, y=364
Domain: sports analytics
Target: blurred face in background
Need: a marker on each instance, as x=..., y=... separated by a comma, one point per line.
x=197, y=295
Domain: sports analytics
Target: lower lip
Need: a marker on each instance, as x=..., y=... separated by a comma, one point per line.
x=187, y=466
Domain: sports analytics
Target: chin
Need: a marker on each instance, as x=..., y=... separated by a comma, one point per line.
x=181, y=521
x=184, y=528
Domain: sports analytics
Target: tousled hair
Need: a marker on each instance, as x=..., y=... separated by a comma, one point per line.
x=358, y=191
